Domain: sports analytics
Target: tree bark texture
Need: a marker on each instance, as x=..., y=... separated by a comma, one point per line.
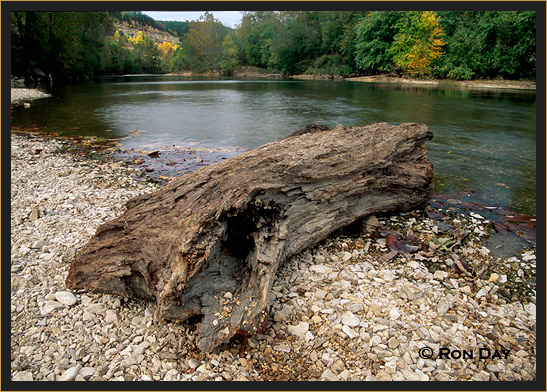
x=226, y=228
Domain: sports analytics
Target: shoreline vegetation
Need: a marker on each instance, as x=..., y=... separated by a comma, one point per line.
x=57, y=47
x=20, y=94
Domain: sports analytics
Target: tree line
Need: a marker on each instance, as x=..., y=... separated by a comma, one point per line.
x=424, y=44
x=448, y=44
x=70, y=46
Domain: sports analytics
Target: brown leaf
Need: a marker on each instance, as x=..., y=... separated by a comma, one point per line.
x=392, y=242
x=403, y=247
x=411, y=236
x=462, y=266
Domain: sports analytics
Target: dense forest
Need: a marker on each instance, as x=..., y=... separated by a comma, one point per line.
x=69, y=46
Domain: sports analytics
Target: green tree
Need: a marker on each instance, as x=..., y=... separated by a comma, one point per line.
x=331, y=28
x=177, y=61
x=121, y=58
x=176, y=27
x=65, y=45
x=374, y=36
x=512, y=41
x=329, y=64
x=488, y=44
x=229, y=60
x=148, y=52
x=463, y=56
x=283, y=52
x=296, y=42
x=202, y=45
x=255, y=32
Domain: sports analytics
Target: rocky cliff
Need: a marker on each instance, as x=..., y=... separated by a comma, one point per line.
x=132, y=28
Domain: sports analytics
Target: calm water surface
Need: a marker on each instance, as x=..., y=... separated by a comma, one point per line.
x=484, y=140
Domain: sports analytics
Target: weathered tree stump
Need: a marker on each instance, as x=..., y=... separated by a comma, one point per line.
x=227, y=227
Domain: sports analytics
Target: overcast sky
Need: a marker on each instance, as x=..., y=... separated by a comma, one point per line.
x=228, y=18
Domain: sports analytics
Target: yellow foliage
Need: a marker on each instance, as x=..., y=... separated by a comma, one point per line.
x=119, y=37
x=420, y=44
x=140, y=38
x=167, y=49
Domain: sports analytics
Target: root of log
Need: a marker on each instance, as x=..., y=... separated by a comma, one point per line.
x=210, y=243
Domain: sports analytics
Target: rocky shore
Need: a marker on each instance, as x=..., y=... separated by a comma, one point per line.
x=361, y=305
x=20, y=95
x=470, y=84
x=256, y=72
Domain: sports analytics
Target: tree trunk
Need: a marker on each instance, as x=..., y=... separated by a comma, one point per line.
x=28, y=46
x=227, y=227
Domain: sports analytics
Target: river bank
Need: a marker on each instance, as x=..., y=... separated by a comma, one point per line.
x=358, y=306
x=256, y=72
x=482, y=84
x=20, y=95
x=242, y=72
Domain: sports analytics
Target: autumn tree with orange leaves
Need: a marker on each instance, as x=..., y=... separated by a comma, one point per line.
x=418, y=42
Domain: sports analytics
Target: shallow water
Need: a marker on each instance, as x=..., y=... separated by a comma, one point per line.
x=484, y=140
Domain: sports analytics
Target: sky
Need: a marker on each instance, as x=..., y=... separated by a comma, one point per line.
x=228, y=18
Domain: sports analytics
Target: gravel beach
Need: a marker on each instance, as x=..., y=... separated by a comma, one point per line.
x=348, y=309
x=19, y=95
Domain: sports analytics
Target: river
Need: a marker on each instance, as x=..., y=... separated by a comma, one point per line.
x=484, y=140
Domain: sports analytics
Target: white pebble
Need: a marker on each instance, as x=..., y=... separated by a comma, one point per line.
x=70, y=374
x=66, y=298
x=349, y=319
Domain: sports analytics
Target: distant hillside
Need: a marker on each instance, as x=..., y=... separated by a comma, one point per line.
x=130, y=23
x=175, y=27
x=131, y=29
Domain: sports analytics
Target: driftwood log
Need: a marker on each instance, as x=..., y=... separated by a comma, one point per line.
x=227, y=227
